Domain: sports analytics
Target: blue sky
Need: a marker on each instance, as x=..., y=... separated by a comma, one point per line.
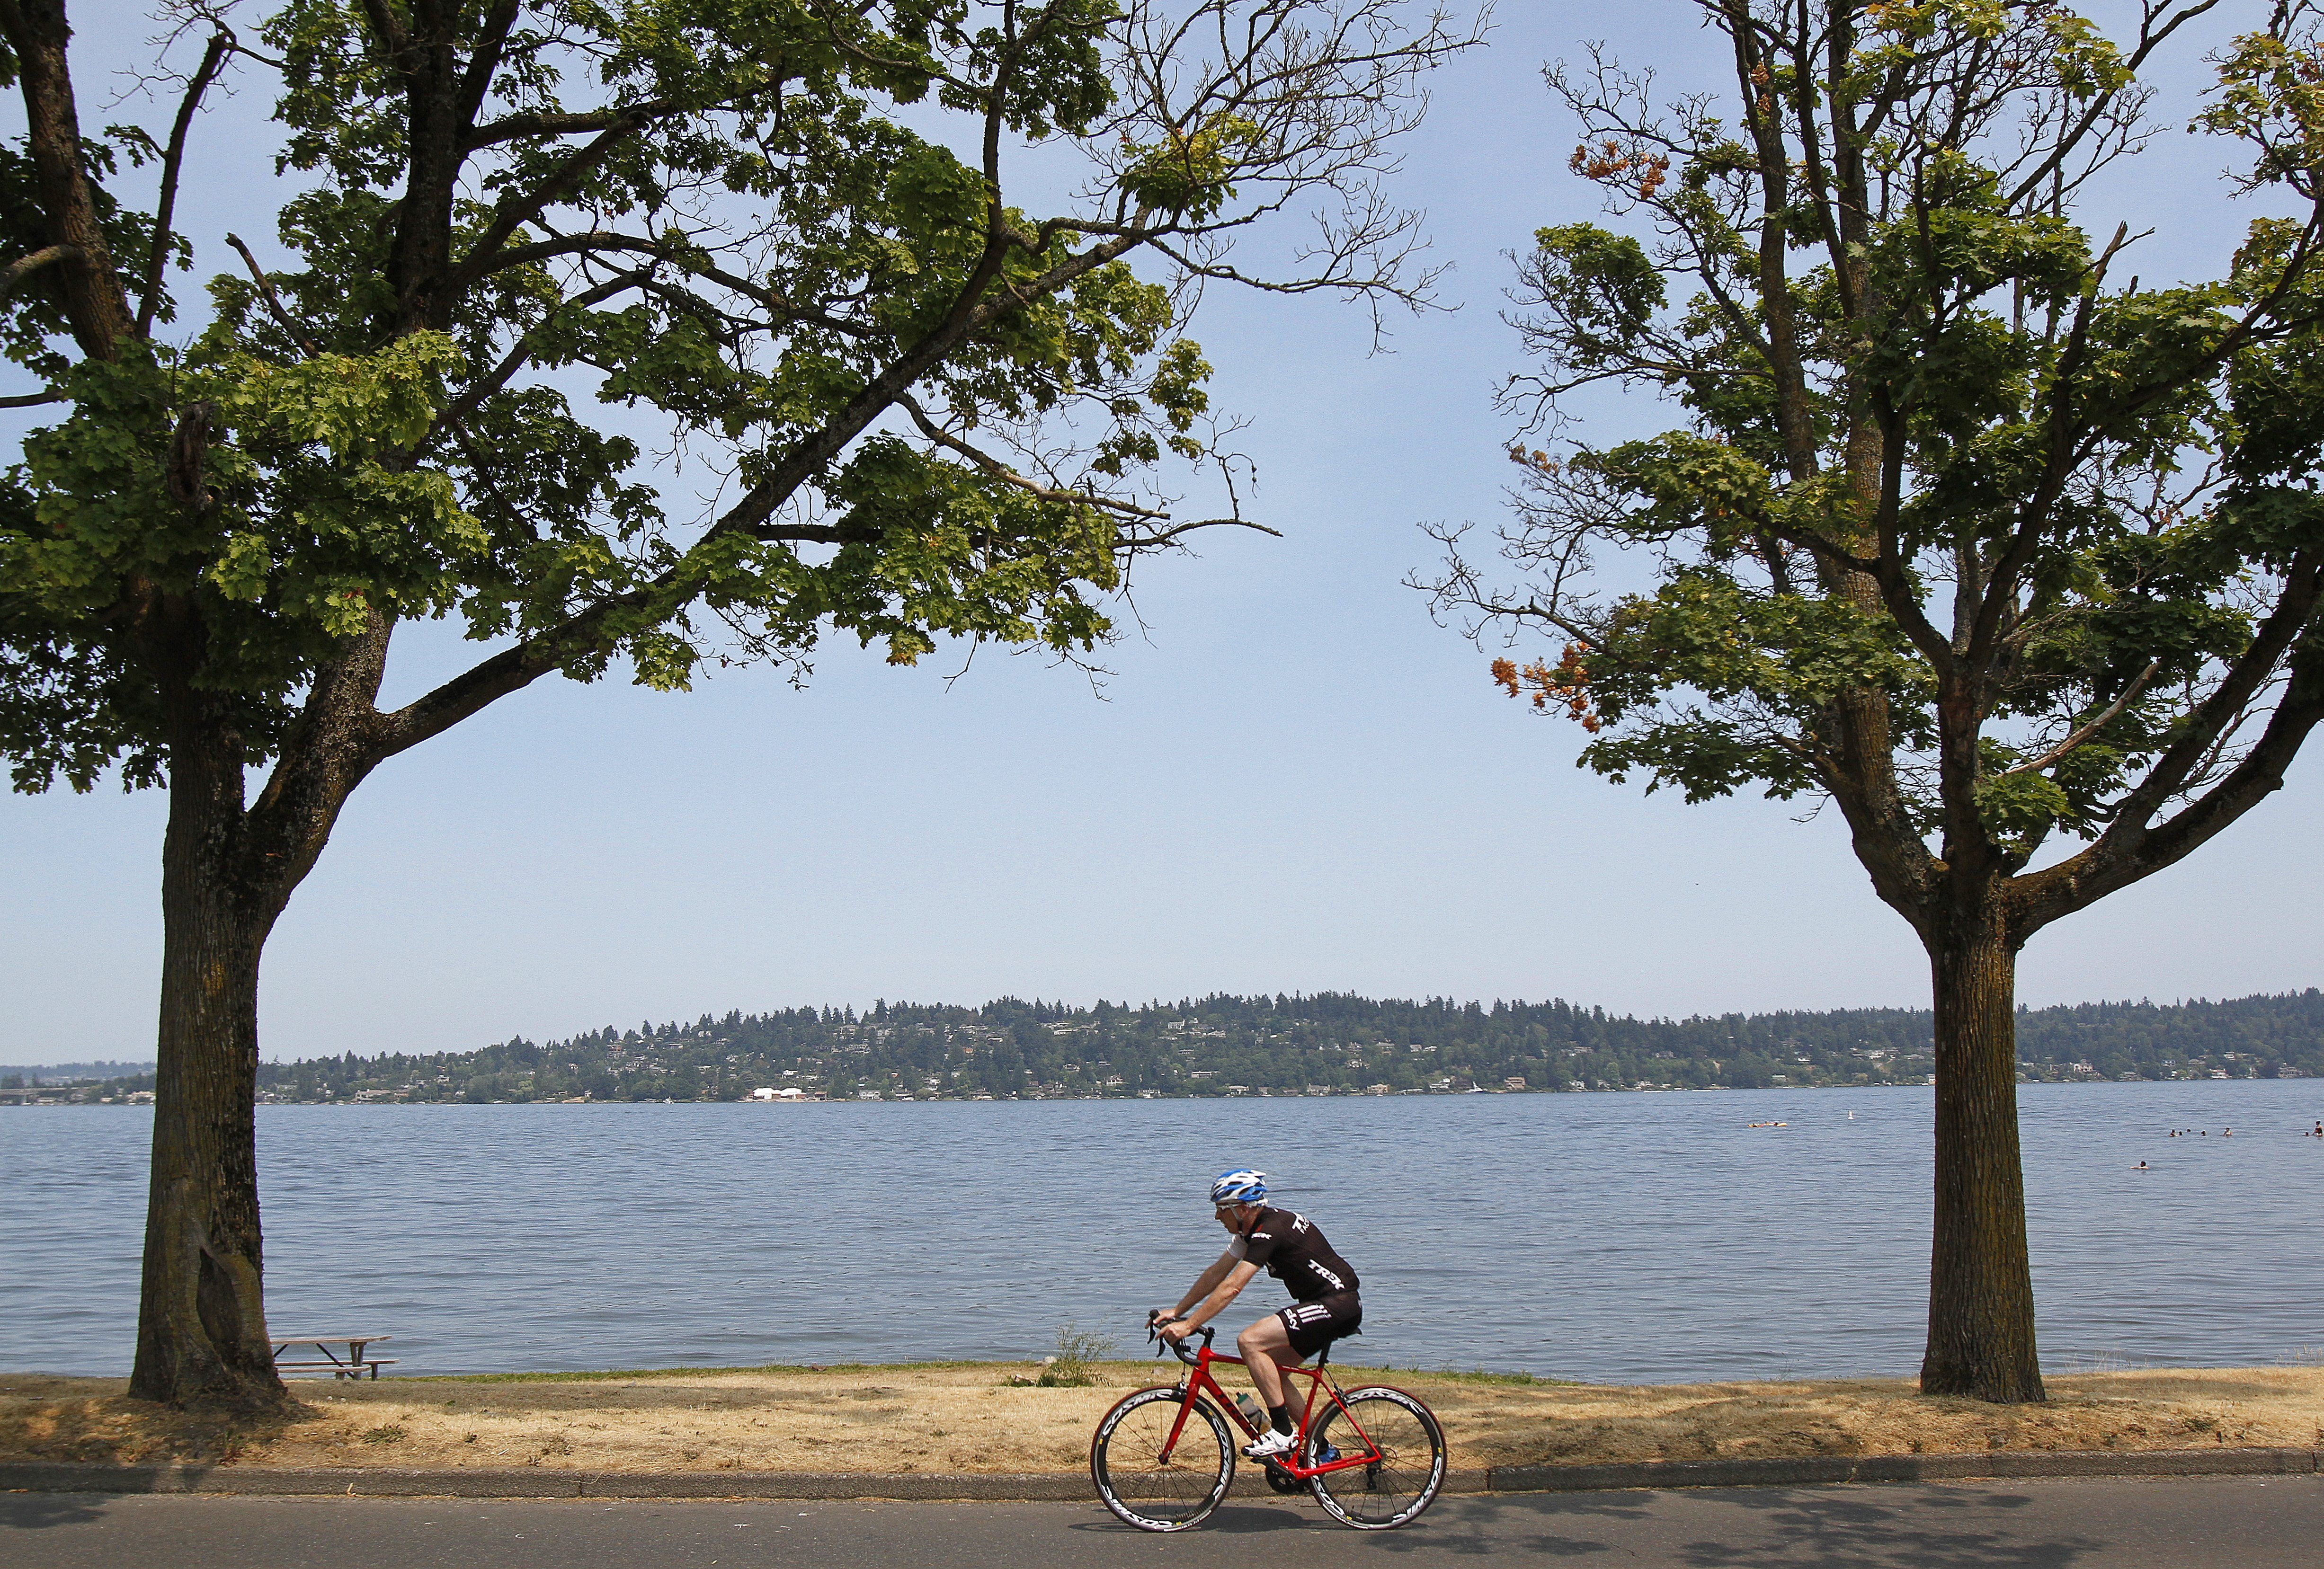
x=1293, y=781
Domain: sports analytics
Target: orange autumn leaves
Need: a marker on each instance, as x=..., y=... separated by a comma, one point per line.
x=1629, y=168
x=1563, y=682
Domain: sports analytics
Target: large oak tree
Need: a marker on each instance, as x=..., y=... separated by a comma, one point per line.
x=2011, y=556
x=787, y=234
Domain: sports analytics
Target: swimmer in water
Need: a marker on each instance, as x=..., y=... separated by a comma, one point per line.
x=2142, y=1166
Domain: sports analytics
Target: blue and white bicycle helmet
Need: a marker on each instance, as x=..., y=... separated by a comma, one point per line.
x=1239, y=1187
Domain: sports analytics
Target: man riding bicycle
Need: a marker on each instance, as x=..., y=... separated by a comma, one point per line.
x=1288, y=1246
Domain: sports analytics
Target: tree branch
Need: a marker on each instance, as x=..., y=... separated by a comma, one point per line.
x=512, y=127
x=94, y=301
x=273, y=304
x=2090, y=729
x=2116, y=862
x=2284, y=625
x=491, y=39
x=1003, y=472
x=457, y=414
x=23, y=267
x=172, y=161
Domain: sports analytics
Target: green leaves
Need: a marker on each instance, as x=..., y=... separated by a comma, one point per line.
x=300, y=531
x=1598, y=288
x=933, y=198
x=1190, y=174
x=951, y=551
x=353, y=407
x=1767, y=665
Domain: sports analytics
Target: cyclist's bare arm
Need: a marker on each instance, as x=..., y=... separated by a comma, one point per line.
x=1207, y=1282
x=1220, y=1284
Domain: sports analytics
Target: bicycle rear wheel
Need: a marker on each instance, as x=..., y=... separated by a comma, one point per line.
x=1126, y=1460
x=1407, y=1465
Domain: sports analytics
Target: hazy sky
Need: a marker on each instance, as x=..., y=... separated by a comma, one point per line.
x=1292, y=782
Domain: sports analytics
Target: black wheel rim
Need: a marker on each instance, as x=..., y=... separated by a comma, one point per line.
x=1135, y=1484
x=1395, y=1486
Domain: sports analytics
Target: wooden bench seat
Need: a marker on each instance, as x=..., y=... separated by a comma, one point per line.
x=345, y=1369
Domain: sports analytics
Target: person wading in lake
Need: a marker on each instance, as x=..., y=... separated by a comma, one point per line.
x=1323, y=1308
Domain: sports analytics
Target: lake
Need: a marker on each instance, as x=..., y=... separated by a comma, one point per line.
x=1617, y=1237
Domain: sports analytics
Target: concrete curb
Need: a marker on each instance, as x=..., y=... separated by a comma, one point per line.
x=534, y=1482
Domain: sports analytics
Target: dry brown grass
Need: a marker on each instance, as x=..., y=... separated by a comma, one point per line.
x=967, y=1417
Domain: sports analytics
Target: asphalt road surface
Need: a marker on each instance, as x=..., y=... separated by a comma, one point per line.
x=2245, y=1522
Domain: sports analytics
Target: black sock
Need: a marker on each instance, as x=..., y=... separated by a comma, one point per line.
x=1282, y=1414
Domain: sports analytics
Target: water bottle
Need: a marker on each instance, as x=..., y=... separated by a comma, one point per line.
x=1250, y=1412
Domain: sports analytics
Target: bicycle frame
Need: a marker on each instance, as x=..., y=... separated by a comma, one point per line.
x=1319, y=1383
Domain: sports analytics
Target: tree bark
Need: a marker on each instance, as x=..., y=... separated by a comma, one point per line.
x=201, y=1317
x=94, y=302
x=1980, y=1277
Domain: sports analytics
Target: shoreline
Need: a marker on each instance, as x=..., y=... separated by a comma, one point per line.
x=26, y=1101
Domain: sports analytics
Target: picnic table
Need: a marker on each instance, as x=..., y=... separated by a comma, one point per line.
x=355, y=1364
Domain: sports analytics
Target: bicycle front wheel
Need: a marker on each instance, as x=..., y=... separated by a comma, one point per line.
x=1407, y=1464
x=1134, y=1480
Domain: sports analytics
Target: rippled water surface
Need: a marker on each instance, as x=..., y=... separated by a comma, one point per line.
x=1623, y=1237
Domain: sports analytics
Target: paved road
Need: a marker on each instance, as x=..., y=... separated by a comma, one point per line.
x=2245, y=1522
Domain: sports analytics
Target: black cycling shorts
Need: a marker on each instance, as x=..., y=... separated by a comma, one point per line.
x=1313, y=1326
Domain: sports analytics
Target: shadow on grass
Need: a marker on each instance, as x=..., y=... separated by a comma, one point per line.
x=109, y=1427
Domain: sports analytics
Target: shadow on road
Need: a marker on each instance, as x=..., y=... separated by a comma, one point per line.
x=1805, y=1528
x=34, y=1511
x=1824, y=1528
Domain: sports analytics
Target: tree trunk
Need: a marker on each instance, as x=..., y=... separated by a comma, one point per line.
x=1980, y=1278
x=201, y=1317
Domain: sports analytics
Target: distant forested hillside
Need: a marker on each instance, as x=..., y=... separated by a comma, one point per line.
x=1330, y=1044
x=1327, y=1043
x=72, y=1072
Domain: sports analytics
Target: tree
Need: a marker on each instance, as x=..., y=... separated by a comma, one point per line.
x=1964, y=532
x=786, y=232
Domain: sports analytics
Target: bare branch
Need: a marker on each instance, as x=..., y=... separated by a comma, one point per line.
x=289, y=324
x=173, y=160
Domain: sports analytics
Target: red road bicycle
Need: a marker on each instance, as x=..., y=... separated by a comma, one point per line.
x=1164, y=1458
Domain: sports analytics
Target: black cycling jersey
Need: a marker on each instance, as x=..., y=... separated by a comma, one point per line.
x=1289, y=1247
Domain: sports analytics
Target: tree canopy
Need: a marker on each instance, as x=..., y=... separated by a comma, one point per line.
x=2088, y=518
x=776, y=231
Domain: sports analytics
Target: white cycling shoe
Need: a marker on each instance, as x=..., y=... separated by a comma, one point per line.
x=1270, y=1445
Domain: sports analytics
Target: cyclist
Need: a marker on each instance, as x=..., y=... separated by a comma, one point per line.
x=1288, y=1246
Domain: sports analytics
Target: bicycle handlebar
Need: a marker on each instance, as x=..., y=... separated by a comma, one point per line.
x=1177, y=1348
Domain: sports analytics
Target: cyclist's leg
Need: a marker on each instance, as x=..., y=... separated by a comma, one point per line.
x=1265, y=1347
